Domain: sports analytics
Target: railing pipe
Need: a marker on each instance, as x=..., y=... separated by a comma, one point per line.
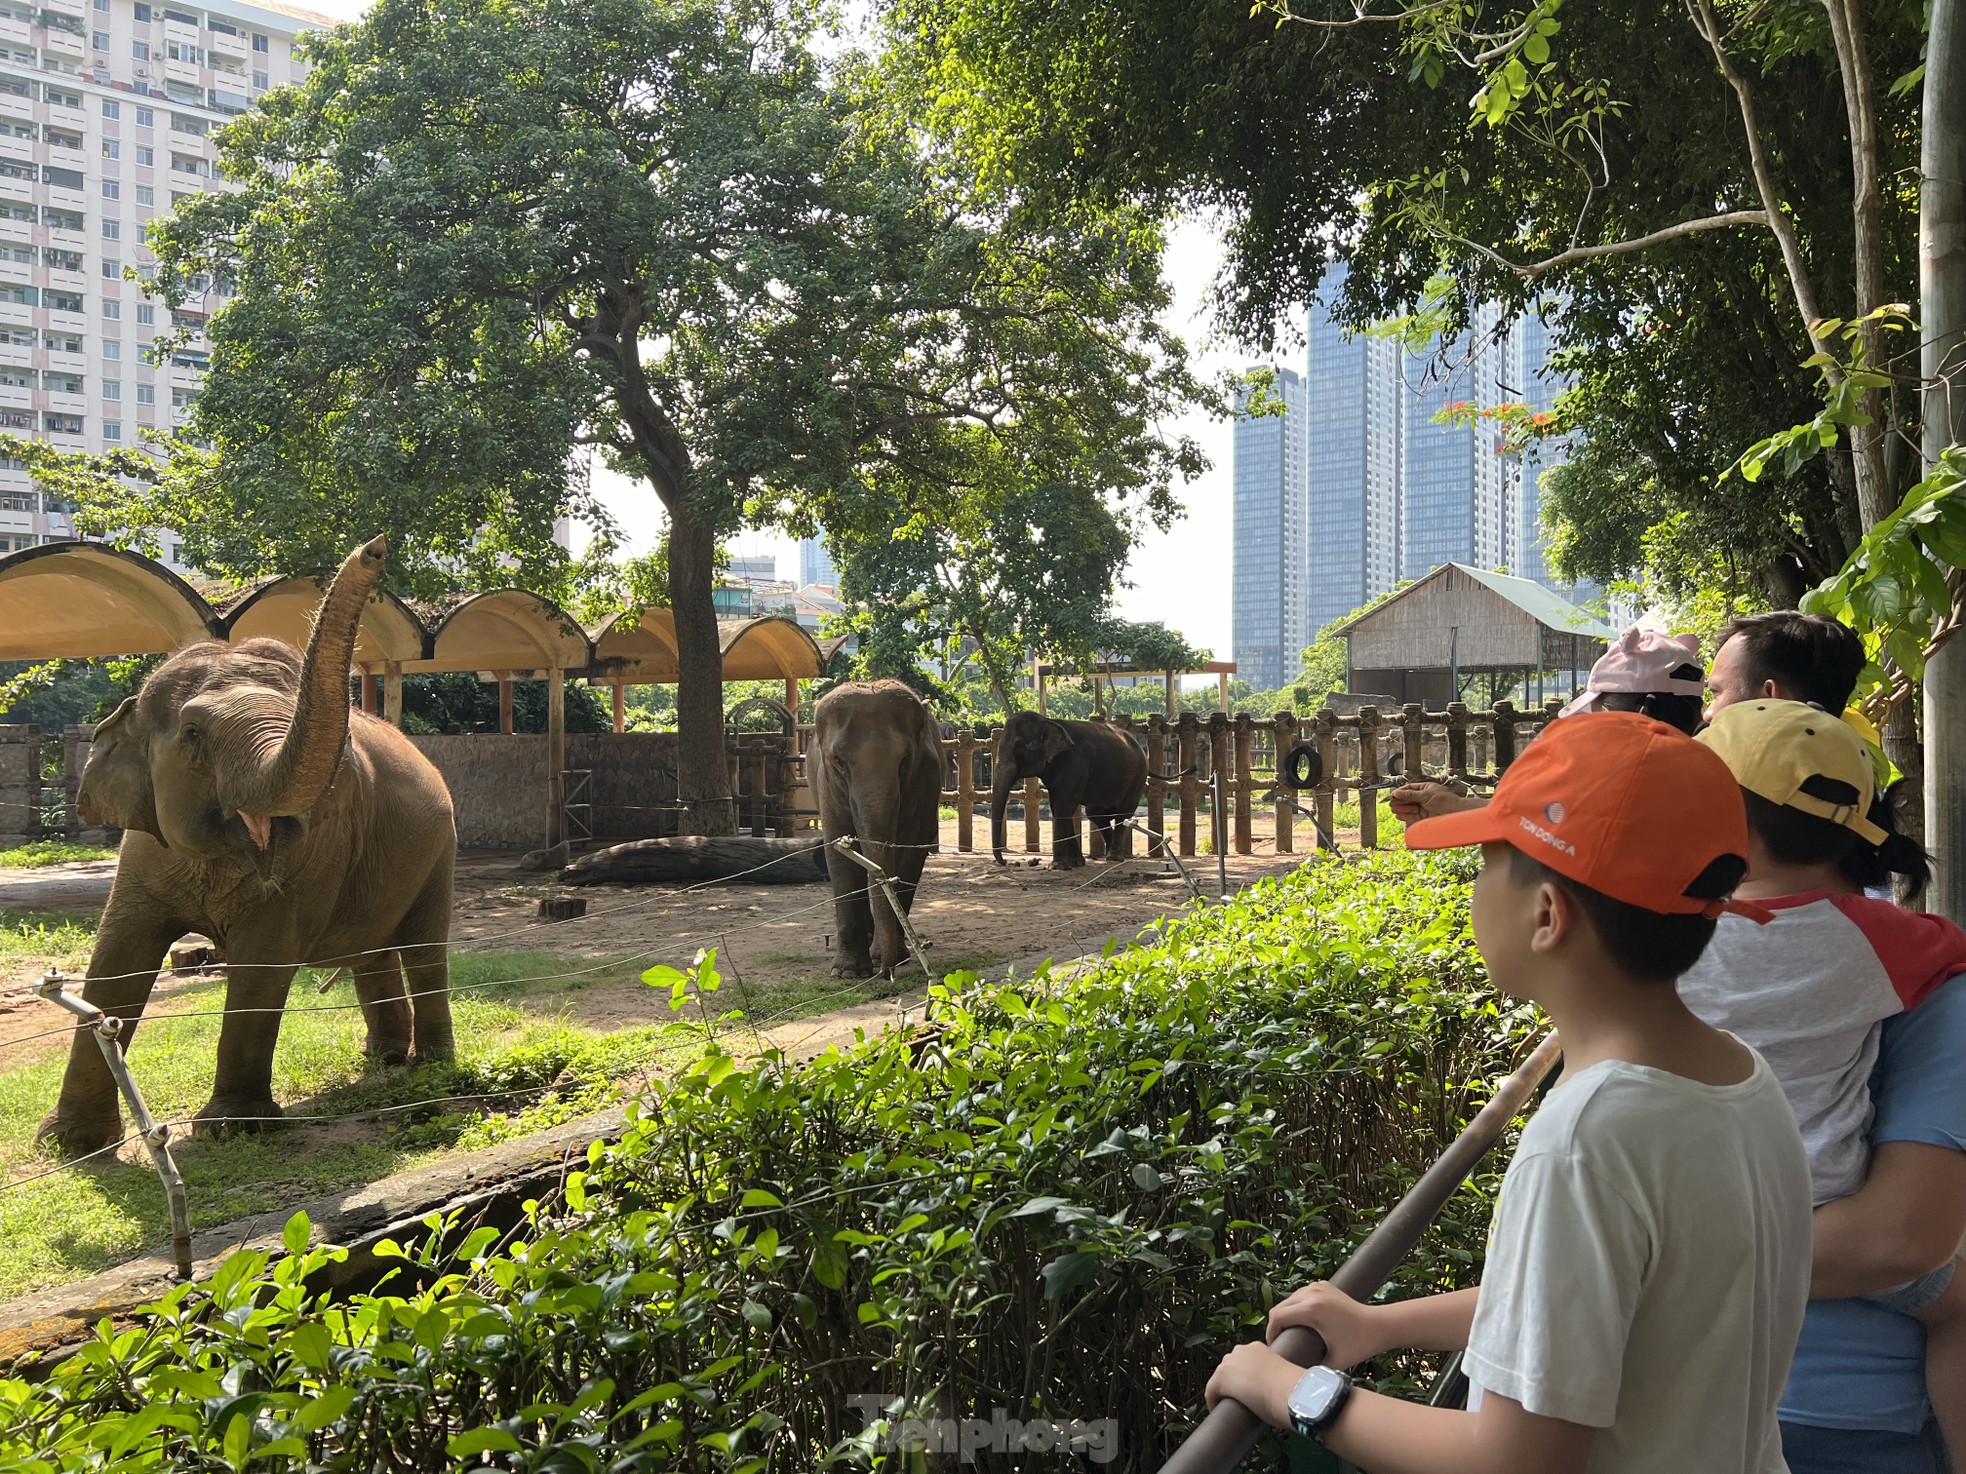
x=1227, y=1434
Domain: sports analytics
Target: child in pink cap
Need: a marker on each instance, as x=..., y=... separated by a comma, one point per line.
x=1655, y=675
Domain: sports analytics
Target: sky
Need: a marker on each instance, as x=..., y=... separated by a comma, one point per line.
x=1180, y=577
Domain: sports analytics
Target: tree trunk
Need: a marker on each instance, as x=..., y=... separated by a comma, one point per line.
x=1942, y=296
x=767, y=861
x=702, y=772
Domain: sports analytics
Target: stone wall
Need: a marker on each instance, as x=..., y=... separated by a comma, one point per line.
x=20, y=783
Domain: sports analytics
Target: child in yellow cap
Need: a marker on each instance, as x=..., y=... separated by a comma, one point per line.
x=1811, y=990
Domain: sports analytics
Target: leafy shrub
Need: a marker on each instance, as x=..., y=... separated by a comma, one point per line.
x=1065, y=1201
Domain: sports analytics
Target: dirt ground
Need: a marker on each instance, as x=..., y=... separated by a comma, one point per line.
x=970, y=913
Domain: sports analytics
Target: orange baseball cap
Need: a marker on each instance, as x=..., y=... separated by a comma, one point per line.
x=1617, y=802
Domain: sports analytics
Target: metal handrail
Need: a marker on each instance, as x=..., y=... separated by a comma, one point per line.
x=1231, y=1430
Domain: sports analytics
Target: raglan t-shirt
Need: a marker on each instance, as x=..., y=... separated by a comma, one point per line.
x=1808, y=990
x=1647, y=1269
x=1860, y=1365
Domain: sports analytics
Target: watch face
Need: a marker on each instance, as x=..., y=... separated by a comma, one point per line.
x=1316, y=1394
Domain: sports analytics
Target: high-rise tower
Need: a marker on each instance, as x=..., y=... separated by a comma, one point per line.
x=1272, y=539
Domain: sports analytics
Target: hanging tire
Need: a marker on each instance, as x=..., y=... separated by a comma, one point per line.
x=1302, y=768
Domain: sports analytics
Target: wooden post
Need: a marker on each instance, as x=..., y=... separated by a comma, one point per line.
x=1186, y=730
x=1324, y=804
x=1480, y=731
x=1157, y=786
x=1285, y=724
x=1033, y=830
x=505, y=702
x=1222, y=690
x=392, y=695
x=620, y=706
x=1457, y=739
x=556, y=752
x=1414, y=728
x=1037, y=683
x=368, y=693
x=1219, y=759
x=1244, y=784
x=1504, y=736
x=966, y=790
x=1171, y=703
x=1368, y=777
x=792, y=697
x=756, y=764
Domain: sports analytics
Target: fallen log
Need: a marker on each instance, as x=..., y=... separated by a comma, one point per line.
x=758, y=861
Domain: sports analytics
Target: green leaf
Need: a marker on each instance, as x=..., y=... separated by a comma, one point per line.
x=297, y=1233
x=1069, y=1272
x=1536, y=49
x=482, y=1441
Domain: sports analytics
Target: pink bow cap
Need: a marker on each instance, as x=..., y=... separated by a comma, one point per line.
x=1643, y=661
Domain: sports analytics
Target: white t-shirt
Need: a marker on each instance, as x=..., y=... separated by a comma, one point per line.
x=1647, y=1269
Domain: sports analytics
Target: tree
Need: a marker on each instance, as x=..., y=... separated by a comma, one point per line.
x=484, y=232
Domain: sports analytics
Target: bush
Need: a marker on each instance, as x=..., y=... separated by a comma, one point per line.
x=1066, y=1201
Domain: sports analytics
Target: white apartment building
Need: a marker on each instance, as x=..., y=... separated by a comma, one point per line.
x=107, y=111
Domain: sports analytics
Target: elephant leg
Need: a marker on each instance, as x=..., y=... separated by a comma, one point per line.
x=1066, y=852
x=88, y=1114
x=242, y=1094
x=385, y=1009
x=853, y=919
x=424, y=941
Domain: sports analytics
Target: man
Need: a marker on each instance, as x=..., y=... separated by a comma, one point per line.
x=1787, y=655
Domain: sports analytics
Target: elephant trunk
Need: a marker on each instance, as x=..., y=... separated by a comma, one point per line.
x=1002, y=777
x=296, y=774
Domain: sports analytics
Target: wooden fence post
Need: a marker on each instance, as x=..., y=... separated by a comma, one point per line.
x=1033, y=830
x=759, y=794
x=1285, y=723
x=1188, y=758
x=1368, y=777
x=1157, y=786
x=1504, y=736
x=1220, y=759
x=1325, y=804
x=1457, y=738
x=1244, y=784
x=966, y=790
x=1413, y=717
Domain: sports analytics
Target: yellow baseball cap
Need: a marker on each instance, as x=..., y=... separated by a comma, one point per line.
x=1773, y=748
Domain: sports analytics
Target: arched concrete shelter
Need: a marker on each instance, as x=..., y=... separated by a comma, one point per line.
x=641, y=651
x=82, y=600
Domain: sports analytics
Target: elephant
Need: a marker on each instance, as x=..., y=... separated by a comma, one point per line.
x=258, y=810
x=1085, y=763
x=876, y=771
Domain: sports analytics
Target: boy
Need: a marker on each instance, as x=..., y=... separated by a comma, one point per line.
x=1649, y=1257
x=1812, y=991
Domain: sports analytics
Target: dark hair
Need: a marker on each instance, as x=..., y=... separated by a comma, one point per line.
x=1675, y=710
x=1796, y=838
x=1810, y=656
x=1648, y=946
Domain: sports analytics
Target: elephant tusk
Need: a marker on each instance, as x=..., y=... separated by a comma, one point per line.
x=259, y=826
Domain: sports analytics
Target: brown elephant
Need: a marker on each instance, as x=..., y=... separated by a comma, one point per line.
x=876, y=772
x=259, y=811
x=1088, y=763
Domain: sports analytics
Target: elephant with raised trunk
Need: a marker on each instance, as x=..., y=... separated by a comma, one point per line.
x=260, y=811
x=876, y=772
x=1080, y=763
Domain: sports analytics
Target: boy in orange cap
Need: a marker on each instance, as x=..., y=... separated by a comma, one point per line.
x=1650, y=1253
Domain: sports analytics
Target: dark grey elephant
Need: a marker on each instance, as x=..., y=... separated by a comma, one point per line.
x=259, y=811
x=1080, y=763
x=876, y=772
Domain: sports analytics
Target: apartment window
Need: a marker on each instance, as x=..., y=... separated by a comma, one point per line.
x=140, y=51
x=112, y=429
x=14, y=169
x=186, y=164
x=143, y=11
x=182, y=18
x=146, y=156
x=16, y=87
x=146, y=313
x=111, y=190
x=183, y=398
x=99, y=40
x=61, y=342
x=112, y=230
x=183, y=51
x=62, y=383
x=259, y=80
x=13, y=210
x=19, y=295
x=146, y=118
x=112, y=350
x=112, y=269
x=146, y=394
x=64, y=424
x=61, y=219
x=62, y=140
x=111, y=108
x=64, y=302
x=64, y=99
x=219, y=27
x=111, y=149
x=111, y=310
x=260, y=43
x=66, y=179
x=146, y=195
x=182, y=124
x=112, y=388
x=23, y=254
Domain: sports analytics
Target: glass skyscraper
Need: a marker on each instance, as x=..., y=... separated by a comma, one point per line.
x=816, y=564
x=1272, y=540
x=1454, y=480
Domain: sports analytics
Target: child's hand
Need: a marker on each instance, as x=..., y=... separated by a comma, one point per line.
x=1259, y=1379
x=1412, y=802
x=1345, y=1325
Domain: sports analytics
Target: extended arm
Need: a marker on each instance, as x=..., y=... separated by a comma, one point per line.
x=1906, y=1220
x=1354, y=1332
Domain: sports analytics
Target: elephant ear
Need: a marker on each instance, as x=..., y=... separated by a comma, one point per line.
x=117, y=780
x=1057, y=742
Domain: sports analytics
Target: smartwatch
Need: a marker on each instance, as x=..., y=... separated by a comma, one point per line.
x=1317, y=1399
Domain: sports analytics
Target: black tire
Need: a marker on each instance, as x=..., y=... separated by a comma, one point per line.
x=1302, y=768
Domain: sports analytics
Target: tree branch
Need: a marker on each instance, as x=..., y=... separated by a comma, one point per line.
x=1725, y=220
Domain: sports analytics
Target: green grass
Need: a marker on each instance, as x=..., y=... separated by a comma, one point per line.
x=63, y=937
x=38, y=853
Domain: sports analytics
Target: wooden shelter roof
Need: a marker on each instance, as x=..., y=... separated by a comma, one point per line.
x=1476, y=620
